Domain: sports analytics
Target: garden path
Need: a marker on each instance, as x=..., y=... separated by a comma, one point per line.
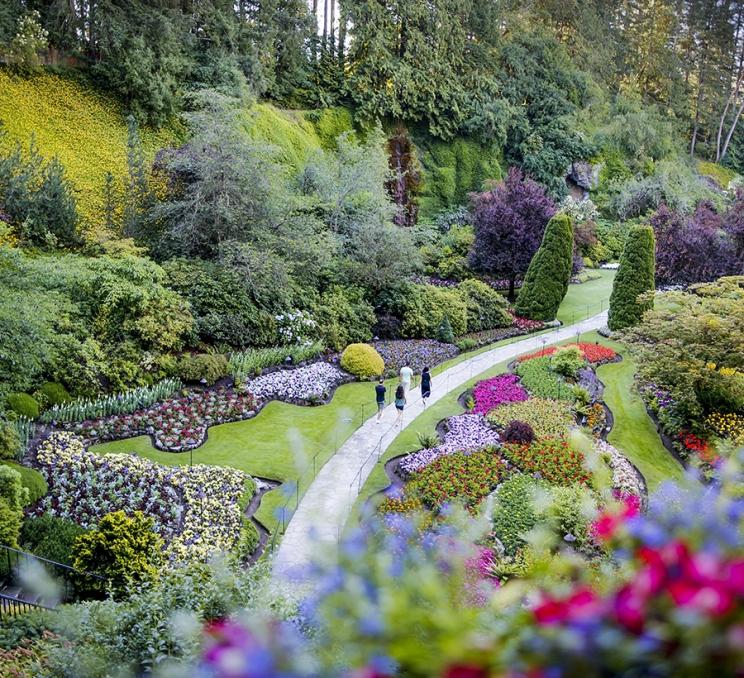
x=327, y=503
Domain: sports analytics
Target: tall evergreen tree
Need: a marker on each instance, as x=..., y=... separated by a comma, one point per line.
x=634, y=278
x=546, y=282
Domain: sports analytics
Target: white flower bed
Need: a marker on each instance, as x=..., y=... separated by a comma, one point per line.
x=625, y=478
x=195, y=509
x=465, y=433
x=312, y=382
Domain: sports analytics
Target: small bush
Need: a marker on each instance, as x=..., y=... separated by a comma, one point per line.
x=54, y=393
x=24, y=405
x=567, y=361
x=466, y=344
x=519, y=432
x=32, y=480
x=10, y=524
x=210, y=367
x=11, y=446
x=546, y=282
x=444, y=331
x=424, y=307
x=486, y=307
x=50, y=537
x=123, y=549
x=362, y=360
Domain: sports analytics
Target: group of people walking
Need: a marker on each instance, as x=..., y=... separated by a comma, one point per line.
x=401, y=391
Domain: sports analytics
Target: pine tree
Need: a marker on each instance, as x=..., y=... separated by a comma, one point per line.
x=546, y=282
x=138, y=197
x=53, y=211
x=634, y=277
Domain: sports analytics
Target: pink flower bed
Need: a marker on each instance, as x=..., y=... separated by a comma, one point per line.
x=491, y=393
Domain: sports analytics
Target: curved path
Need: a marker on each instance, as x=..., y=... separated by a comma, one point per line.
x=327, y=503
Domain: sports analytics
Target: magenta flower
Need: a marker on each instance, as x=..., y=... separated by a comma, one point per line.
x=491, y=393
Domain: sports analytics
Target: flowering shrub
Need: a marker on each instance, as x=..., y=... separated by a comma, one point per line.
x=594, y=353
x=553, y=460
x=541, y=381
x=467, y=478
x=596, y=418
x=728, y=425
x=465, y=433
x=551, y=418
x=295, y=327
x=316, y=381
x=418, y=353
x=195, y=509
x=692, y=445
x=493, y=392
x=176, y=424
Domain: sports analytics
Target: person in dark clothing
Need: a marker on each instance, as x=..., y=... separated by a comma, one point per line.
x=400, y=401
x=425, y=385
x=380, y=391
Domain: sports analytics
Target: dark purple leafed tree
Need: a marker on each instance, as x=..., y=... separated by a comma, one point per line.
x=509, y=223
x=693, y=249
x=733, y=222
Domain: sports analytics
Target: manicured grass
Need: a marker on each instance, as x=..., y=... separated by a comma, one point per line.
x=634, y=433
x=587, y=299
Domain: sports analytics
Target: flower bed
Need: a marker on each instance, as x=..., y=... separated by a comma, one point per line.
x=465, y=433
x=496, y=391
x=727, y=425
x=467, y=478
x=548, y=418
x=521, y=326
x=552, y=460
x=196, y=509
x=625, y=478
x=543, y=382
x=594, y=353
x=314, y=382
x=586, y=378
x=176, y=424
x=417, y=353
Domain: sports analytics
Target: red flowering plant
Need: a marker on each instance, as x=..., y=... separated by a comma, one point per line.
x=551, y=459
x=594, y=353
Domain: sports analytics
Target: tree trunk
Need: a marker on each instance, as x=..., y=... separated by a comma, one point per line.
x=731, y=131
x=325, y=24
x=511, y=288
x=333, y=26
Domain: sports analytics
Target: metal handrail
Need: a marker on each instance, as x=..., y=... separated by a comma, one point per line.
x=67, y=568
x=14, y=606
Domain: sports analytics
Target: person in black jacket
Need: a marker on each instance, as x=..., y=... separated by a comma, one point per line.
x=425, y=385
x=380, y=391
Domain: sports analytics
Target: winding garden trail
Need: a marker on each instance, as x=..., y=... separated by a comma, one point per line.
x=324, y=509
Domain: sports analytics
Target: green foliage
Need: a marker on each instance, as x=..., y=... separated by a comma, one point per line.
x=122, y=549
x=30, y=38
x=447, y=257
x=50, y=537
x=247, y=542
x=330, y=123
x=569, y=513
x=53, y=393
x=567, y=361
x=546, y=282
x=515, y=513
x=202, y=367
x=13, y=497
x=444, y=331
x=723, y=176
x=486, y=307
x=538, y=377
x=452, y=169
x=634, y=278
x=344, y=317
x=424, y=307
x=362, y=360
x=23, y=404
x=10, y=442
x=31, y=479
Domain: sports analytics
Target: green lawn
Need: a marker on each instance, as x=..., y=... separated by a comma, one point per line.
x=586, y=299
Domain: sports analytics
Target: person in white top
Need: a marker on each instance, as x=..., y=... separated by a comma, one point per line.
x=406, y=374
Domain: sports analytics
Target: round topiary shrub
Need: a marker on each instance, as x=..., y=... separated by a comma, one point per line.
x=362, y=360
x=519, y=432
x=54, y=393
x=24, y=404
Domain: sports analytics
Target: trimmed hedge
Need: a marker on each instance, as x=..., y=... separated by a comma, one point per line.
x=546, y=282
x=634, y=277
x=362, y=360
x=54, y=393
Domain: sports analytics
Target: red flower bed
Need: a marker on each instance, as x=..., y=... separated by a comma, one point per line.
x=553, y=459
x=594, y=353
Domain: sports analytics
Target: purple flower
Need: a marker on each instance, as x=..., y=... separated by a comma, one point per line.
x=491, y=393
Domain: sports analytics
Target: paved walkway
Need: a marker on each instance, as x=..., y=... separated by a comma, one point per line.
x=327, y=503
